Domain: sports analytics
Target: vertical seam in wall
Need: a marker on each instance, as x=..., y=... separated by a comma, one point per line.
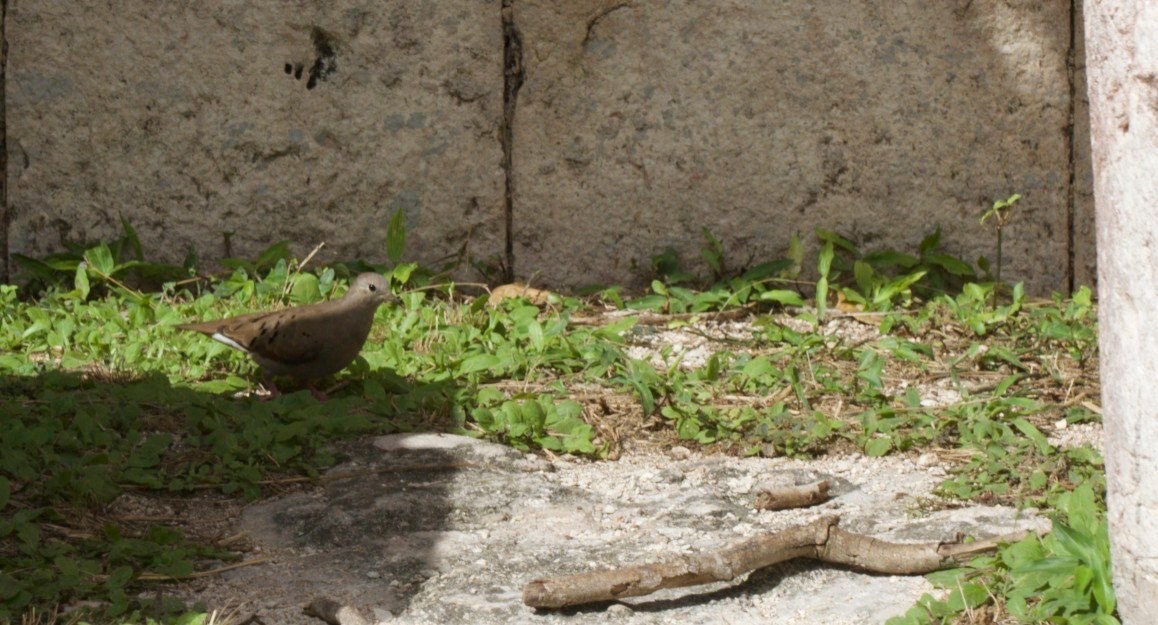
x=512, y=81
x=1071, y=63
x=5, y=211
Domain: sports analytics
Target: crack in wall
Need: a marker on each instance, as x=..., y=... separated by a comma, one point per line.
x=512, y=81
x=598, y=17
x=5, y=211
x=1071, y=164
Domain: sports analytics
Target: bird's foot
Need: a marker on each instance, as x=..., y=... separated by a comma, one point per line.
x=271, y=391
x=318, y=394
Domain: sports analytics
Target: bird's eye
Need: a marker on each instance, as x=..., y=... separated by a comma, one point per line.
x=373, y=287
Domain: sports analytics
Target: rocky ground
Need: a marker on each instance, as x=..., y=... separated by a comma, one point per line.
x=428, y=528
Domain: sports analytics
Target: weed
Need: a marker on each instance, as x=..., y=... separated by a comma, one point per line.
x=1061, y=578
x=1001, y=212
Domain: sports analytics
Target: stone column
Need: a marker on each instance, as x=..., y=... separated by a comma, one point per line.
x=1122, y=60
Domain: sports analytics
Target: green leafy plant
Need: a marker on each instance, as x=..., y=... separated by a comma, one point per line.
x=1062, y=578
x=542, y=423
x=120, y=263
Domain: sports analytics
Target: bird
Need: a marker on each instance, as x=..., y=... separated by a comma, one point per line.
x=304, y=343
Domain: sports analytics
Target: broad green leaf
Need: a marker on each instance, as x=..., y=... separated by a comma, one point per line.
x=821, y=298
x=100, y=259
x=270, y=256
x=967, y=596
x=402, y=273
x=831, y=238
x=396, y=236
x=796, y=255
x=535, y=333
x=864, y=275
x=80, y=282
x=1035, y=435
x=824, y=260
x=759, y=367
x=305, y=289
x=782, y=296
x=478, y=362
x=877, y=447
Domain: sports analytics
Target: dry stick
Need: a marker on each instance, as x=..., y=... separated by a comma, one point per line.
x=820, y=540
x=785, y=497
x=302, y=265
x=157, y=577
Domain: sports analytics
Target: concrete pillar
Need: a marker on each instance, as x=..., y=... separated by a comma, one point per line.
x=1122, y=61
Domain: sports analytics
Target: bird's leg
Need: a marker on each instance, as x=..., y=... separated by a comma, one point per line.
x=267, y=382
x=318, y=394
x=321, y=395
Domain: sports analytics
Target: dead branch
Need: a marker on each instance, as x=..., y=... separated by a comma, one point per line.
x=820, y=540
x=784, y=497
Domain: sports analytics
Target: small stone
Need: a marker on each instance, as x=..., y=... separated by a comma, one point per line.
x=373, y=574
x=618, y=610
x=679, y=452
x=672, y=476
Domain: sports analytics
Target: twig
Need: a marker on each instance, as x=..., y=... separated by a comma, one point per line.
x=1092, y=407
x=306, y=261
x=157, y=577
x=298, y=270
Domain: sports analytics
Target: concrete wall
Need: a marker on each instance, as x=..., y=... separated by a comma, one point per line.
x=181, y=117
x=635, y=125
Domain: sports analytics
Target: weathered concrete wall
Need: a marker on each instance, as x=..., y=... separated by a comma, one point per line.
x=181, y=117
x=1122, y=39
x=638, y=124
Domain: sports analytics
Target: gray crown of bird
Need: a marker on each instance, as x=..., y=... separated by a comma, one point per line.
x=305, y=343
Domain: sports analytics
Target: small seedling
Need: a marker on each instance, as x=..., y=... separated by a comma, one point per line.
x=1001, y=213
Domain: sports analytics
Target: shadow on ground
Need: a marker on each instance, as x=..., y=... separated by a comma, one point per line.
x=101, y=452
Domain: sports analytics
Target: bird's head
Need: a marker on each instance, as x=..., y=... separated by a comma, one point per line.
x=370, y=288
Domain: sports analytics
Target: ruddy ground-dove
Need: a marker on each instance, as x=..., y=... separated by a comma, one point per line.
x=307, y=342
